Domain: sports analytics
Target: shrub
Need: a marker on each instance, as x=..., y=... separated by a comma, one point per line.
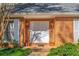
x=66, y=50
x=14, y=52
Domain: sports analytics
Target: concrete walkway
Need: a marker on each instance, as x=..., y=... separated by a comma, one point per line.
x=39, y=52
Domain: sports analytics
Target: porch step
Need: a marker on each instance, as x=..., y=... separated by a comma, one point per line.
x=40, y=49
x=39, y=52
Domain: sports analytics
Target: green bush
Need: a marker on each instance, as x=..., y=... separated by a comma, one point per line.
x=14, y=52
x=66, y=50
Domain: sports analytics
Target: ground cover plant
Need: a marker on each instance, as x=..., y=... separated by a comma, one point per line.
x=14, y=51
x=65, y=50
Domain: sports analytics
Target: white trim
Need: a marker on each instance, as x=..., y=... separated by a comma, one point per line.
x=45, y=15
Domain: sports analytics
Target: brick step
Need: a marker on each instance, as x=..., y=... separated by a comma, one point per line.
x=39, y=54
x=40, y=49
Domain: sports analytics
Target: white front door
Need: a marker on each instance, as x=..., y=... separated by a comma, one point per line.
x=39, y=32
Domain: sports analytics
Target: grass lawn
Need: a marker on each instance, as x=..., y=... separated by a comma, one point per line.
x=14, y=51
x=66, y=50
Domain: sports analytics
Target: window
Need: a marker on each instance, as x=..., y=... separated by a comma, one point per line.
x=39, y=31
x=12, y=31
x=76, y=30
